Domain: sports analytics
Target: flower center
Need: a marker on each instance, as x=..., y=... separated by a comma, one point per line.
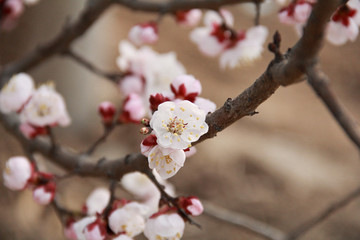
x=43, y=110
x=176, y=126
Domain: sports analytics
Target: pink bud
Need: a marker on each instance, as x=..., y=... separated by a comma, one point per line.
x=17, y=173
x=191, y=205
x=30, y=131
x=107, y=111
x=69, y=230
x=189, y=18
x=186, y=87
x=44, y=194
x=146, y=33
x=133, y=109
x=95, y=230
x=147, y=144
x=156, y=100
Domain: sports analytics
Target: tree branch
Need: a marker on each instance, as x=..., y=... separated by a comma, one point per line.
x=305, y=227
x=319, y=83
x=58, y=44
x=114, y=77
x=174, y=6
x=238, y=219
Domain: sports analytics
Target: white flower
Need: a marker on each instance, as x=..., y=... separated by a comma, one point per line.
x=177, y=125
x=123, y=237
x=146, y=33
x=157, y=70
x=45, y=108
x=344, y=24
x=166, y=161
x=339, y=34
x=296, y=13
x=44, y=194
x=189, y=18
x=16, y=93
x=18, y=171
x=80, y=225
x=165, y=226
x=212, y=38
x=145, y=190
x=97, y=201
x=246, y=50
x=128, y=219
x=31, y=2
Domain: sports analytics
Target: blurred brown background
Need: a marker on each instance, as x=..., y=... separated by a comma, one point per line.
x=282, y=166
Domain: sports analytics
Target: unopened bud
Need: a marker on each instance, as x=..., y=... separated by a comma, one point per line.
x=145, y=122
x=144, y=130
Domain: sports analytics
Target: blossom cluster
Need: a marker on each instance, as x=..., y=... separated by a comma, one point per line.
x=20, y=174
x=178, y=120
x=234, y=47
x=343, y=26
x=122, y=219
x=12, y=10
x=38, y=108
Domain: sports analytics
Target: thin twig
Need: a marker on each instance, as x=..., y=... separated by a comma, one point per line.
x=59, y=43
x=112, y=189
x=319, y=83
x=307, y=226
x=114, y=77
x=257, y=12
x=238, y=219
x=101, y=139
x=51, y=137
x=170, y=199
x=174, y=6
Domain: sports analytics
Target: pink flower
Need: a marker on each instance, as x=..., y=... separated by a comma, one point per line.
x=16, y=93
x=44, y=194
x=186, y=87
x=296, y=12
x=132, y=84
x=11, y=11
x=146, y=33
x=189, y=18
x=30, y=131
x=95, y=230
x=107, y=112
x=97, y=201
x=213, y=38
x=18, y=171
x=245, y=49
x=133, y=109
x=165, y=226
x=343, y=25
x=191, y=205
x=69, y=230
